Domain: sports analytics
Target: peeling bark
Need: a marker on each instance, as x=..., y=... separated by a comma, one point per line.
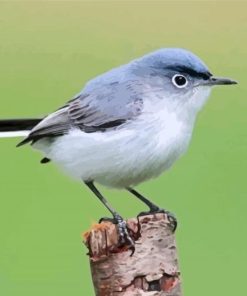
x=151, y=271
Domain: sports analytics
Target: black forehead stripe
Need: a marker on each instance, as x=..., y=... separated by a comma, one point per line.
x=190, y=71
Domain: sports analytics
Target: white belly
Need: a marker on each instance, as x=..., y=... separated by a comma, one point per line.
x=123, y=157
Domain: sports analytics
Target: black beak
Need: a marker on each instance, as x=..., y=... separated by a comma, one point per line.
x=219, y=81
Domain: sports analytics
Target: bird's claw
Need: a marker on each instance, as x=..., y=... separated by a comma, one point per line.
x=124, y=236
x=170, y=216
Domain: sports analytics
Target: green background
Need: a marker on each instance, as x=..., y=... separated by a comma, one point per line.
x=48, y=50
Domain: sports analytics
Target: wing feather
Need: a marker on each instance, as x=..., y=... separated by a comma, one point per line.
x=101, y=110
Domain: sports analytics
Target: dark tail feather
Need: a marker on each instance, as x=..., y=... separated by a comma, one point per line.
x=11, y=125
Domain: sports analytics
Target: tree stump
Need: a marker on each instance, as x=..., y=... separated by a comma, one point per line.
x=151, y=271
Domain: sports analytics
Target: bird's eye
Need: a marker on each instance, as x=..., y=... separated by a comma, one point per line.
x=179, y=80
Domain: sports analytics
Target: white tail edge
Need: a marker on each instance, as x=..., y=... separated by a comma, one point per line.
x=14, y=134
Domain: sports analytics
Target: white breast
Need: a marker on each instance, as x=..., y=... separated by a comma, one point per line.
x=127, y=156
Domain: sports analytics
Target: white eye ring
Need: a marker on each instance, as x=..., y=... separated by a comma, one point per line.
x=179, y=80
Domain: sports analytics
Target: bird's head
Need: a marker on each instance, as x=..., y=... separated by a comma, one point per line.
x=183, y=79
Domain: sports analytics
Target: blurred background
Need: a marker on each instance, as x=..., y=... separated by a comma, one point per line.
x=48, y=50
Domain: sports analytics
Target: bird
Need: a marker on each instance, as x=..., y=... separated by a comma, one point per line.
x=125, y=126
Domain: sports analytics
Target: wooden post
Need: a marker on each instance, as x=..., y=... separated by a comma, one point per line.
x=151, y=271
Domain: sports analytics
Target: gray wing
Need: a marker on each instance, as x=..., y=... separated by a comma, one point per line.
x=103, y=109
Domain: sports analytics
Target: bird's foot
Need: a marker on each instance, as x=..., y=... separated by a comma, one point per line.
x=170, y=216
x=124, y=236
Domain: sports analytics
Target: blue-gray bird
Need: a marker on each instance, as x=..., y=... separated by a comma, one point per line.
x=126, y=126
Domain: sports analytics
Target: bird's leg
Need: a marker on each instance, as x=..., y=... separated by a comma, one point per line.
x=153, y=208
x=117, y=219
